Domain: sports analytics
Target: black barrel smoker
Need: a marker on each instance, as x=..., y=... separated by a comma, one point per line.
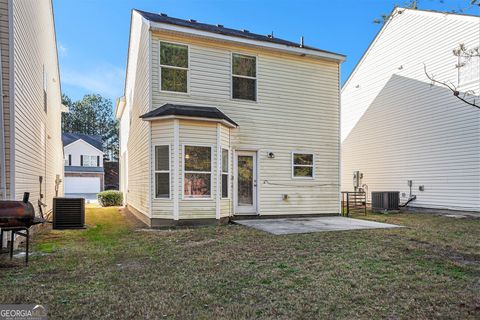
x=17, y=217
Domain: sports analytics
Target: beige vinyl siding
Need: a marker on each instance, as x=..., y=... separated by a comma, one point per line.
x=37, y=135
x=5, y=58
x=398, y=128
x=162, y=134
x=138, y=103
x=297, y=109
x=194, y=133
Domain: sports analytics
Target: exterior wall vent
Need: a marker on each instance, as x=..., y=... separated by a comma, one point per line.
x=68, y=213
x=385, y=201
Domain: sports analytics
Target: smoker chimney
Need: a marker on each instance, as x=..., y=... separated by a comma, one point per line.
x=301, y=42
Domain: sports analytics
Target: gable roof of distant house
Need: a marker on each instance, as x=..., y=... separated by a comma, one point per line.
x=174, y=110
x=93, y=140
x=244, y=34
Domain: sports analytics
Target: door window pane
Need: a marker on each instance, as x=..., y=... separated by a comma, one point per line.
x=245, y=180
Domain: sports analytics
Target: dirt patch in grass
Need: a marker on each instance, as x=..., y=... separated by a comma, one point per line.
x=430, y=269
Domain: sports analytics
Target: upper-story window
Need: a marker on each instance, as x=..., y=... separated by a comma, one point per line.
x=244, y=77
x=90, y=161
x=173, y=67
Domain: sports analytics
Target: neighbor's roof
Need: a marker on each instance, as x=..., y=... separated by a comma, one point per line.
x=93, y=140
x=83, y=169
x=175, y=110
x=221, y=30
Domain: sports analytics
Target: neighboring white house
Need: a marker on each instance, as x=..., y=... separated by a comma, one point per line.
x=397, y=127
x=31, y=154
x=218, y=122
x=84, y=172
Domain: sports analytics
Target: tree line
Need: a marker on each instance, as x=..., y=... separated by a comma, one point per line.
x=93, y=114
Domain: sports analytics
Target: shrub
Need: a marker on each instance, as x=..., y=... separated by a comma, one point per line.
x=110, y=198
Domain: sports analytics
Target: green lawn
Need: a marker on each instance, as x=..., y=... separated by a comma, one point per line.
x=431, y=269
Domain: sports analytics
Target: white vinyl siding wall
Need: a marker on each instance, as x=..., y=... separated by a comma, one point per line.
x=37, y=135
x=138, y=103
x=5, y=56
x=297, y=108
x=396, y=127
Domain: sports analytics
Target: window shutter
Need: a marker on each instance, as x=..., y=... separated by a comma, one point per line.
x=69, y=159
x=81, y=160
x=98, y=161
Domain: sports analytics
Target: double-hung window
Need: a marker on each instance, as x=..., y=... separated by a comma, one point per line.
x=244, y=77
x=173, y=67
x=89, y=161
x=197, y=168
x=302, y=165
x=162, y=171
x=224, y=173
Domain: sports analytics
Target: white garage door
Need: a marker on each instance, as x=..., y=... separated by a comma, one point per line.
x=82, y=184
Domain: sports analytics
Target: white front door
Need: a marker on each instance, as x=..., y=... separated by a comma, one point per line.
x=245, y=182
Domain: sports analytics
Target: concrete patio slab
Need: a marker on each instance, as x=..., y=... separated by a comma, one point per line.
x=308, y=225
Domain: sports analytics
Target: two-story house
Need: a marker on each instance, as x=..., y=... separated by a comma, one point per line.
x=405, y=134
x=219, y=123
x=84, y=172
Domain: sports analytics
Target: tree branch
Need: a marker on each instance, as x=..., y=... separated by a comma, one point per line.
x=452, y=88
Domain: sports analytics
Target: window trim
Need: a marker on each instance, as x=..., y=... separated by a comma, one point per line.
x=155, y=171
x=160, y=66
x=222, y=173
x=210, y=197
x=246, y=77
x=303, y=165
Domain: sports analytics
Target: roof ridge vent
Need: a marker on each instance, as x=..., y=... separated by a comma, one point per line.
x=163, y=14
x=193, y=20
x=245, y=30
x=220, y=25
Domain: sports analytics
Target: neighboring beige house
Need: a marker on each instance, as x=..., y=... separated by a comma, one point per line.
x=218, y=122
x=30, y=133
x=397, y=127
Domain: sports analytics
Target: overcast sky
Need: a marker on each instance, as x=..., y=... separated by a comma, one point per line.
x=92, y=35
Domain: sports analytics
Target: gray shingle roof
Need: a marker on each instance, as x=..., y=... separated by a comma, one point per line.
x=220, y=29
x=94, y=140
x=169, y=109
